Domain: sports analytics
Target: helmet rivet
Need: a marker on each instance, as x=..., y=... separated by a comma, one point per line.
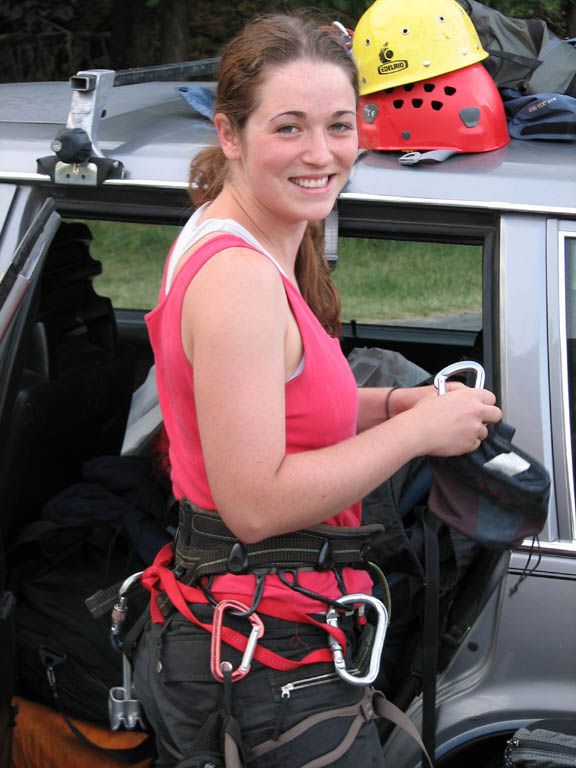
x=405, y=135
x=464, y=52
x=426, y=63
x=367, y=41
x=442, y=18
x=405, y=31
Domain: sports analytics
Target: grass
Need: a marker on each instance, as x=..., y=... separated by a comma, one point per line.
x=379, y=280
x=132, y=257
x=387, y=280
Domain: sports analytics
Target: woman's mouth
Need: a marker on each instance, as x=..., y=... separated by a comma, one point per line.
x=311, y=183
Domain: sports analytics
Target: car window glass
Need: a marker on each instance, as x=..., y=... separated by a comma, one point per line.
x=132, y=255
x=570, y=288
x=397, y=282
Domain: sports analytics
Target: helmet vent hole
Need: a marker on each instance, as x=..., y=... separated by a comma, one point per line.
x=417, y=103
x=409, y=86
x=449, y=90
x=398, y=103
x=405, y=31
x=437, y=105
x=390, y=90
x=429, y=87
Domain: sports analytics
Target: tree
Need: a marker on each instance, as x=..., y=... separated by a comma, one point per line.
x=52, y=39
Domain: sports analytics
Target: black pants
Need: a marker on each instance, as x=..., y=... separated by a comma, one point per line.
x=173, y=681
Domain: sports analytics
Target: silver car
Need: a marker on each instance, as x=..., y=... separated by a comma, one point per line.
x=508, y=650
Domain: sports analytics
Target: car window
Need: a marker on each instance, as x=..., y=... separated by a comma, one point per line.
x=410, y=283
x=570, y=293
x=132, y=255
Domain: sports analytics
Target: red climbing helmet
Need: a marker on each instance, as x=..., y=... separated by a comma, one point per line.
x=461, y=111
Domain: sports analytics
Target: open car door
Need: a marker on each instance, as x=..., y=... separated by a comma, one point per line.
x=16, y=283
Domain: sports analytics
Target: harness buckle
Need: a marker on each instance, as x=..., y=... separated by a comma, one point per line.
x=217, y=666
x=377, y=645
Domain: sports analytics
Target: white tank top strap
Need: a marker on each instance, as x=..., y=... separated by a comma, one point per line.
x=192, y=232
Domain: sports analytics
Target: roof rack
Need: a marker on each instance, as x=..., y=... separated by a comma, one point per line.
x=77, y=158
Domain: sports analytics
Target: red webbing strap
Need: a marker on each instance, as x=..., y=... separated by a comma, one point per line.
x=159, y=577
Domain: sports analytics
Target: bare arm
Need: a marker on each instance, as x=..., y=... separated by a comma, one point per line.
x=372, y=403
x=234, y=324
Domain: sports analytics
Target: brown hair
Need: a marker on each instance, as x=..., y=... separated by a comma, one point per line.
x=274, y=40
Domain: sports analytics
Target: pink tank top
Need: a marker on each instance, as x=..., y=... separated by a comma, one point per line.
x=321, y=410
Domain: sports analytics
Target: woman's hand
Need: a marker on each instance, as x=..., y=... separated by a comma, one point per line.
x=456, y=422
x=374, y=403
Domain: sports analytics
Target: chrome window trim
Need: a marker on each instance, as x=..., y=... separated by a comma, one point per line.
x=488, y=205
x=15, y=176
x=562, y=546
x=491, y=205
x=25, y=277
x=557, y=235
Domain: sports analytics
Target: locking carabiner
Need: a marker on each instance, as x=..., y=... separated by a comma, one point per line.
x=119, y=611
x=378, y=643
x=217, y=666
x=462, y=367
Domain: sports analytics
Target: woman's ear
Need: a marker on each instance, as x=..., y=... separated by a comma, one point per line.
x=229, y=138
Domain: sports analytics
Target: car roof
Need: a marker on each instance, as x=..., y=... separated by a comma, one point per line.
x=155, y=133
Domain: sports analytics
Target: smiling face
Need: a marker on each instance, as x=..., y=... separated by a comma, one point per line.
x=299, y=144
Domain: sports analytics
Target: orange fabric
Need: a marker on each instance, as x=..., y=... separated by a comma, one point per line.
x=43, y=740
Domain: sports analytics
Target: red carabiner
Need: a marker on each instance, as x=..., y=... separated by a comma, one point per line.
x=218, y=666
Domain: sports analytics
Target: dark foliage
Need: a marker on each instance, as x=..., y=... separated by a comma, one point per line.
x=53, y=39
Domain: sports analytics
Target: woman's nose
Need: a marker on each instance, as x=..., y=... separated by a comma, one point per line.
x=317, y=150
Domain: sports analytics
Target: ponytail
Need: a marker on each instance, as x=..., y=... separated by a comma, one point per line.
x=206, y=176
x=315, y=281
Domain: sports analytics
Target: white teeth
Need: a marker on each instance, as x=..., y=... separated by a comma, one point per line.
x=311, y=183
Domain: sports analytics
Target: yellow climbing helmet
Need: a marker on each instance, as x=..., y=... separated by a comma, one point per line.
x=403, y=41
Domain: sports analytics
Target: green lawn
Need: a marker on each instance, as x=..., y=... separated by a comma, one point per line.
x=132, y=257
x=379, y=280
x=393, y=280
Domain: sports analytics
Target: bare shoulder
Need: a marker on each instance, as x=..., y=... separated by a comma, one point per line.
x=236, y=288
x=239, y=270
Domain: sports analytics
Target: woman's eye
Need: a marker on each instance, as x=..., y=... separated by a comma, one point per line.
x=341, y=127
x=287, y=129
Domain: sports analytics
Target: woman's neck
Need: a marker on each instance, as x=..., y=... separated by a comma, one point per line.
x=280, y=239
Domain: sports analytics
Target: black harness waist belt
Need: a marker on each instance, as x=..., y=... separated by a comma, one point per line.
x=205, y=546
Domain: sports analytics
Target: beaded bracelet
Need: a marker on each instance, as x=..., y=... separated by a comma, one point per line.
x=387, y=403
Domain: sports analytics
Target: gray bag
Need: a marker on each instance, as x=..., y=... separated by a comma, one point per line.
x=524, y=53
x=543, y=744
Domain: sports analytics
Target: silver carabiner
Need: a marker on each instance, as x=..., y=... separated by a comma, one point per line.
x=378, y=644
x=120, y=609
x=461, y=367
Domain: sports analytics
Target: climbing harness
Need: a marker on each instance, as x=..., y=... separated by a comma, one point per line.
x=182, y=575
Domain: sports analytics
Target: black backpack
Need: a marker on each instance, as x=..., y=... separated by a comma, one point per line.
x=93, y=534
x=59, y=568
x=524, y=54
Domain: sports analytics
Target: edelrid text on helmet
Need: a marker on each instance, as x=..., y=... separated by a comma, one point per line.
x=461, y=111
x=402, y=41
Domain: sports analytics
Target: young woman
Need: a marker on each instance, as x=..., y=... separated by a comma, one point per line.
x=268, y=432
